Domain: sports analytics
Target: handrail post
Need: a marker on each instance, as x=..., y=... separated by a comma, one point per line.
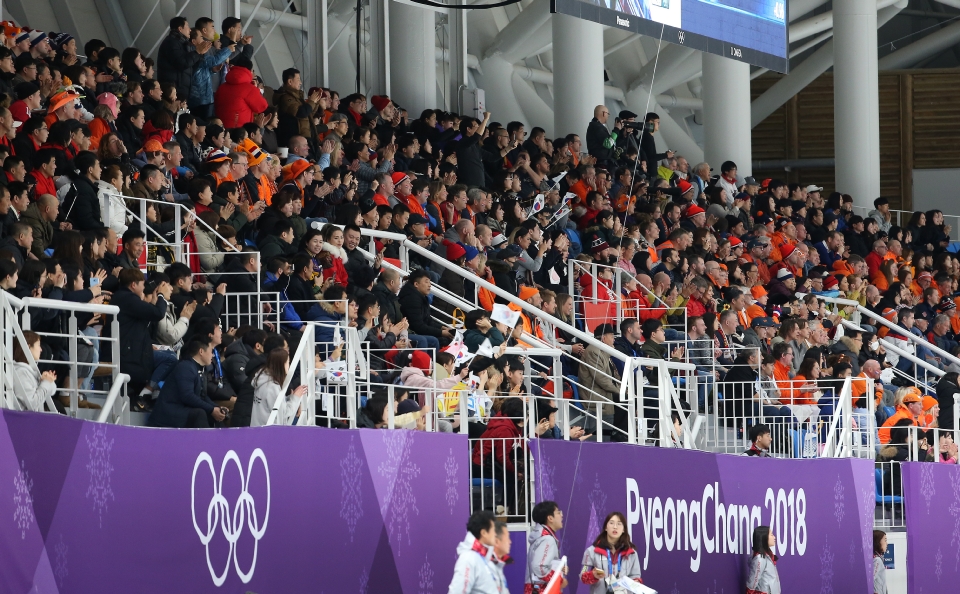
x=308, y=408
x=178, y=225
x=74, y=381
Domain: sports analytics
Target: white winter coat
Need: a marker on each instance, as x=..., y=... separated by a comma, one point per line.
x=763, y=578
x=477, y=570
x=117, y=219
x=30, y=390
x=265, y=392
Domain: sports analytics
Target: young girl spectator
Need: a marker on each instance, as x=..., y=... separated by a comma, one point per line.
x=333, y=243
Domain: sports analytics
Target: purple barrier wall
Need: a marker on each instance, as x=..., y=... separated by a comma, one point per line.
x=87, y=507
x=931, y=494
x=672, y=498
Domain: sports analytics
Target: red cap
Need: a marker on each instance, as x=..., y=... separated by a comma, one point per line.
x=787, y=249
x=398, y=177
x=693, y=210
x=420, y=360
x=735, y=242
x=684, y=185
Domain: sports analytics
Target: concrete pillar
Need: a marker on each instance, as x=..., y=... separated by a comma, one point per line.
x=726, y=113
x=577, y=73
x=855, y=100
x=413, y=62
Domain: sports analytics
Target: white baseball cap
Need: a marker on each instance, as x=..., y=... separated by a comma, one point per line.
x=813, y=188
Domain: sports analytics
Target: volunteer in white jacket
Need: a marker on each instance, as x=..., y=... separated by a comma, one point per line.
x=477, y=570
x=543, y=547
x=113, y=211
x=30, y=387
x=611, y=557
x=763, y=577
x=879, y=569
x=266, y=388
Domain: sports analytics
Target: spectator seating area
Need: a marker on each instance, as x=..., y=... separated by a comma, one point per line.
x=182, y=247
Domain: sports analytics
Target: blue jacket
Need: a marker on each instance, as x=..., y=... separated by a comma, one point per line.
x=201, y=92
x=184, y=388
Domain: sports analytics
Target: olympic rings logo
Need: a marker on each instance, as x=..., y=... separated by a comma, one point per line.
x=218, y=512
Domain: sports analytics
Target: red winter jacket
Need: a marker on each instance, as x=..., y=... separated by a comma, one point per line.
x=238, y=99
x=498, y=442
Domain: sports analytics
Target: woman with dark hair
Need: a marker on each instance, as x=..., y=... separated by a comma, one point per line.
x=611, y=557
x=934, y=233
x=82, y=206
x=130, y=128
x=879, y=569
x=160, y=126
x=267, y=384
x=763, y=577
x=132, y=64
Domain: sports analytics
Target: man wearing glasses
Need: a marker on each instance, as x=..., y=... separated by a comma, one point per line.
x=600, y=141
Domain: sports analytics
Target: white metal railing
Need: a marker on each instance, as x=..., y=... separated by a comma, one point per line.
x=884, y=322
x=116, y=408
x=72, y=335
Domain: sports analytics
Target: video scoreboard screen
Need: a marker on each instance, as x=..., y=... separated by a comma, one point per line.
x=753, y=31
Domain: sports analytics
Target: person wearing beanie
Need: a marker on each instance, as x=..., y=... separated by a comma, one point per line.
x=28, y=101
x=22, y=42
x=237, y=100
x=39, y=45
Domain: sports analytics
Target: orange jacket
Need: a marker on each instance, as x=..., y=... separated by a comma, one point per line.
x=902, y=413
x=98, y=128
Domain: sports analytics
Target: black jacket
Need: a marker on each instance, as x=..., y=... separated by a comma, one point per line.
x=136, y=346
x=504, y=277
x=83, y=211
x=184, y=389
x=389, y=303
x=416, y=309
x=648, y=146
x=243, y=407
x=235, y=364
x=176, y=61
x=470, y=161
x=597, y=134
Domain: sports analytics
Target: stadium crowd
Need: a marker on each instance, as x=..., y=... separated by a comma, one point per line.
x=277, y=186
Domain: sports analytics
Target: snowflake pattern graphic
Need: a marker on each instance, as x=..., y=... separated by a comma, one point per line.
x=60, y=561
x=938, y=568
x=868, y=497
x=675, y=590
x=927, y=488
x=100, y=469
x=955, y=512
x=351, y=495
x=545, y=475
x=451, y=467
x=23, y=500
x=853, y=553
x=826, y=569
x=401, y=499
x=838, y=501
x=426, y=577
x=598, y=505
x=364, y=578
